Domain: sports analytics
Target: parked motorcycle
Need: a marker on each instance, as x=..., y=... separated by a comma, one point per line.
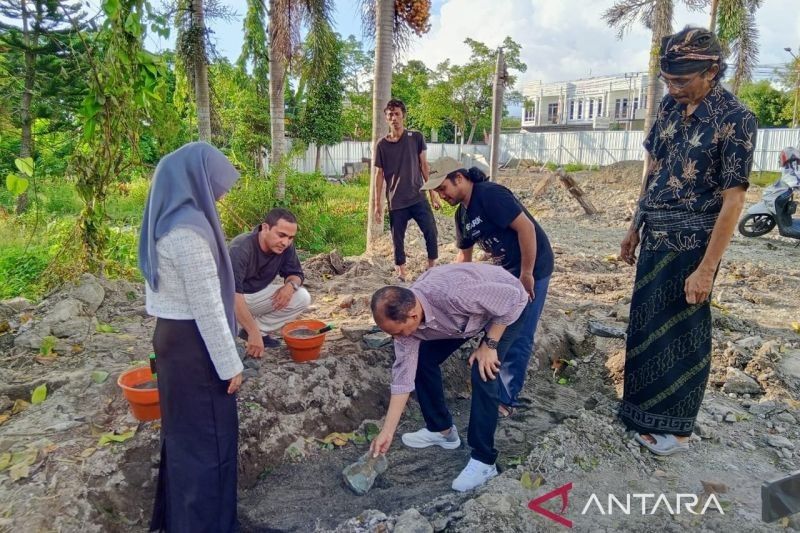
x=777, y=203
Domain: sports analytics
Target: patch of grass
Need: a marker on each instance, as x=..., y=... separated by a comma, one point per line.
x=329, y=215
x=762, y=179
x=21, y=268
x=571, y=167
x=126, y=202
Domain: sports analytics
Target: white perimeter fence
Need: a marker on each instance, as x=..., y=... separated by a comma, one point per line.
x=585, y=147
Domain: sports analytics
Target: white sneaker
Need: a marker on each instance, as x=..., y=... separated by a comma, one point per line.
x=424, y=438
x=474, y=474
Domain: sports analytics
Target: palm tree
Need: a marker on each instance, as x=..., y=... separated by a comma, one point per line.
x=381, y=93
x=191, y=49
x=656, y=15
x=201, y=72
x=286, y=17
x=391, y=22
x=735, y=25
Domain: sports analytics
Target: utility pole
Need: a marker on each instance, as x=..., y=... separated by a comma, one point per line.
x=500, y=77
x=796, y=84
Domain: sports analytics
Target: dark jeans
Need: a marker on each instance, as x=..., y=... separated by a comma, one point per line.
x=422, y=214
x=485, y=394
x=515, y=365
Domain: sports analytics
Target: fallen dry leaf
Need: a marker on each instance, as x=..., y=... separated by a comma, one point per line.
x=88, y=452
x=19, y=406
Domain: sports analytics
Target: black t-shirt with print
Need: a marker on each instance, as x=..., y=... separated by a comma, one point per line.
x=487, y=222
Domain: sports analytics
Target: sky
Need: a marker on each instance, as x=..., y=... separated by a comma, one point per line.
x=561, y=39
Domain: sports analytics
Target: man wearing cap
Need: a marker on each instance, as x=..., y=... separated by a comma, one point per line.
x=442, y=310
x=491, y=216
x=401, y=163
x=700, y=152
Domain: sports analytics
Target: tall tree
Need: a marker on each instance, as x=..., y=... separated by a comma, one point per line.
x=123, y=82
x=193, y=53
x=462, y=94
x=357, y=105
x=38, y=32
x=391, y=22
x=286, y=19
x=321, y=115
x=767, y=103
x=381, y=94
x=409, y=83
x=736, y=28
x=656, y=16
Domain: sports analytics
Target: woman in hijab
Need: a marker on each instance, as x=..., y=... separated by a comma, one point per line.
x=189, y=287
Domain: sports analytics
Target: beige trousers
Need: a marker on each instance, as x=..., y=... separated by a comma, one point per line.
x=269, y=320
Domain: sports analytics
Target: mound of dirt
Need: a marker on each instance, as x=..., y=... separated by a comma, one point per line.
x=57, y=472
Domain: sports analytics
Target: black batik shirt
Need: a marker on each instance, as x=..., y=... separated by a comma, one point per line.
x=487, y=222
x=694, y=158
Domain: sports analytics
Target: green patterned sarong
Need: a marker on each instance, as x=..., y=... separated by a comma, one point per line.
x=668, y=355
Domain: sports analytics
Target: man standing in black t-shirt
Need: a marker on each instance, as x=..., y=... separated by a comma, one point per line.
x=490, y=216
x=258, y=258
x=400, y=161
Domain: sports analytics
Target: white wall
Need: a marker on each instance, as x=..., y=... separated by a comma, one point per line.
x=587, y=147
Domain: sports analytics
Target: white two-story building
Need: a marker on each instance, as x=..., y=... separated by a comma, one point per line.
x=603, y=102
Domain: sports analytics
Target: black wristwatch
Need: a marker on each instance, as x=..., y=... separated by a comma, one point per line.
x=490, y=343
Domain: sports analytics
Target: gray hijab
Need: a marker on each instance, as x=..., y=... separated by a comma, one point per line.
x=185, y=186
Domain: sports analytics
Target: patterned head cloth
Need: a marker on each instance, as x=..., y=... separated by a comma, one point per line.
x=688, y=51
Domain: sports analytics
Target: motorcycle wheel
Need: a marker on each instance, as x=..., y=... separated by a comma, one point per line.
x=756, y=225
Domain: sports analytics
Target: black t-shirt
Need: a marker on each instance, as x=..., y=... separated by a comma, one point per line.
x=253, y=269
x=401, y=169
x=487, y=222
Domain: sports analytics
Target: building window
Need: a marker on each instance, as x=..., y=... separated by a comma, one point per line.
x=636, y=103
x=591, y=107
x=552, y=113
x=580, y=109
x=530, y=113
x=571, y=106
x=621, y=108
x=599, y=107
x=644, y=101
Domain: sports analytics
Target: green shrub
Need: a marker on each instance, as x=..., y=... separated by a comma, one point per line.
x=21, y=270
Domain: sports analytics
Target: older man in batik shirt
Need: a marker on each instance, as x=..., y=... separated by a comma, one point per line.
x=700, y=152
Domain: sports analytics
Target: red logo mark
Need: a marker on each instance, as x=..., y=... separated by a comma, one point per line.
x=563, y=491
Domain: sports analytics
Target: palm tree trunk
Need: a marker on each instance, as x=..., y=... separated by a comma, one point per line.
x=662, y=26
x=712, y=23
x=381, y=93
x=277, y=78
x=26, y=118
x=201, y=71
x=318, y=159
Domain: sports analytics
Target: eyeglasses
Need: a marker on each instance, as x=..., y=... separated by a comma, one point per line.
x=679, y=84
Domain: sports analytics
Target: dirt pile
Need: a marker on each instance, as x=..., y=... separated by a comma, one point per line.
x=301, y=424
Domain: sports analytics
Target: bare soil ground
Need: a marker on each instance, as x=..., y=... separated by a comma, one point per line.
x=61, y=479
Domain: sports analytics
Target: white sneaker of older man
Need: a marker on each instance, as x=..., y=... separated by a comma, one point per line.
x=474, y=475
x=424, y=438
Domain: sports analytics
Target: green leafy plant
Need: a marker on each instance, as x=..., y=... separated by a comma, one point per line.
x=18, y=184
x=46, y=348
x=39, y=394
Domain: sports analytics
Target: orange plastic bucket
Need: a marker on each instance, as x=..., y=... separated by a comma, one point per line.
x=144, y=402
x=303, y=349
